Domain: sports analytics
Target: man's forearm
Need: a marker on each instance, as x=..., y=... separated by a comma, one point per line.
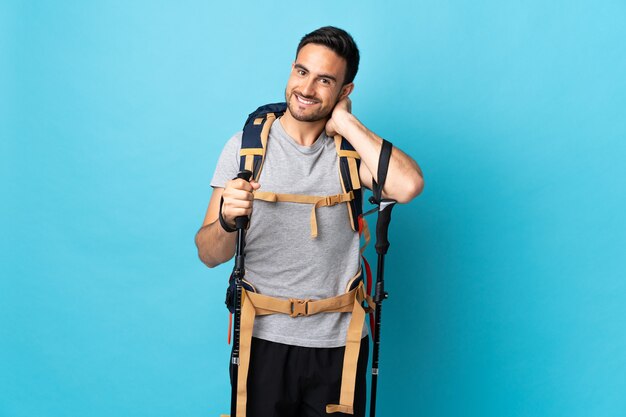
x=215, y=245
x=404, y=180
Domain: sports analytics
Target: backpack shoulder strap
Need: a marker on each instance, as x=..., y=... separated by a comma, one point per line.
x=255, y=133
x=349, y=163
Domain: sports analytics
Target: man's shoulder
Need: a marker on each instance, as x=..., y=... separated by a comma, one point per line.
x=234, y=142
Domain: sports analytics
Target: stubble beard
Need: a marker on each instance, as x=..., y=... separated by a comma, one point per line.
x=316, y=116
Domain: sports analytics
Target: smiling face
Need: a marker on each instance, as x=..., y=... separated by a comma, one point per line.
x=316, y=83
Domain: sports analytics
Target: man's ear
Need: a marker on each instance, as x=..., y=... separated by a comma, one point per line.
x=346, y=90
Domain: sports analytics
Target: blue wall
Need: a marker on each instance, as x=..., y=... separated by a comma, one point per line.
x=506, y=276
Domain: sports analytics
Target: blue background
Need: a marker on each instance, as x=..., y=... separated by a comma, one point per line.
x=506, y=276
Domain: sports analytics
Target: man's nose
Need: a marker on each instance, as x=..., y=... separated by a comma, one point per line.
x=308, y=88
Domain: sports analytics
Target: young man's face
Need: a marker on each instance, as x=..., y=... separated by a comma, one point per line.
x=316, y=83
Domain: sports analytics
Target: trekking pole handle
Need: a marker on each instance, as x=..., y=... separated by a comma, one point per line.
x=241, y=222
x=382, y=225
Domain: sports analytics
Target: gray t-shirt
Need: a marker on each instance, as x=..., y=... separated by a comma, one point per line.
x=282, y=259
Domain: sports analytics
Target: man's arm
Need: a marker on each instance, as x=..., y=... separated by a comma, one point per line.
x=216, y=245
x=404, y=179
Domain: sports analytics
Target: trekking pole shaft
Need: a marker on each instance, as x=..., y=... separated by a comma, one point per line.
x=379, y=297
x=234, y=365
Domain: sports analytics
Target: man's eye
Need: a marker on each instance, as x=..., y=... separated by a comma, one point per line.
x=301, y=72
x=325, y=81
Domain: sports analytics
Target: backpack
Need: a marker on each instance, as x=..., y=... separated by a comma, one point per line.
x=355, y=300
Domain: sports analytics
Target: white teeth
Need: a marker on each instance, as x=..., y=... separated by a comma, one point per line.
x=303, y=101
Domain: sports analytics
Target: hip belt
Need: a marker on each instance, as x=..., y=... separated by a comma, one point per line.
x=355, y=301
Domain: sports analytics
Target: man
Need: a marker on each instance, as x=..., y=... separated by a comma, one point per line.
x=296, y=362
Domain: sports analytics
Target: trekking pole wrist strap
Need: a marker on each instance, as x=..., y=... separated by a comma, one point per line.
x=223, y=223
x=383, y=167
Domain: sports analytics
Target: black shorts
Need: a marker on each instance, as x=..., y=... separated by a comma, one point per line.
x=294, y=381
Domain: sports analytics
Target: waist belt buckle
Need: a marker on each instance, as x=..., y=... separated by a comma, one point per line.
x=299, y=307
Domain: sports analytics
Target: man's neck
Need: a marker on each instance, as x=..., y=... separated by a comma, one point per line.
x=304, y=133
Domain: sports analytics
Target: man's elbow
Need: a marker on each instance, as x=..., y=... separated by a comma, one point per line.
x=210, y=264
x=412, y=187
x=202, y=254
x=417, y=186
x=207, y=260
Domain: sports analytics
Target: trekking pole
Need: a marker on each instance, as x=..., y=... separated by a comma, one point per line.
x=241, y=223
x=382, y=245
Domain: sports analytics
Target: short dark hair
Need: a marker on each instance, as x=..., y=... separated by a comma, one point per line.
x=340, y=42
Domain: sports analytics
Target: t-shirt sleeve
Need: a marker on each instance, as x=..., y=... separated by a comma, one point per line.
x=228, y=163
